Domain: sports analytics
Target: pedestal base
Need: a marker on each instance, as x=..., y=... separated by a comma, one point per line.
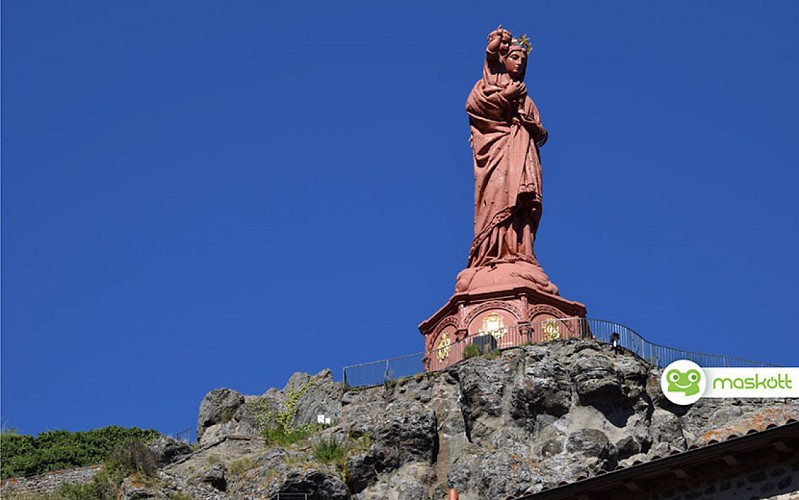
x=513, y=315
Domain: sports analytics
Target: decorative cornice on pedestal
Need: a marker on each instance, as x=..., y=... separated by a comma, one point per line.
x=530, y=295
x=493, y=305
x=467, y=315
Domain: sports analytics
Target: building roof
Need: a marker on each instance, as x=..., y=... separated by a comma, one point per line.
x=725, y=449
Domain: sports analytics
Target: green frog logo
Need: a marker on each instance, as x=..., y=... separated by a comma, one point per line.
x=685, y=382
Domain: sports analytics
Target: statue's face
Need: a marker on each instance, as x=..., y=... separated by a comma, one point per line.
x=515, y=62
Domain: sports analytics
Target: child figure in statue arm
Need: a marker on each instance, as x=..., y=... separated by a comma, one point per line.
x=504, y=69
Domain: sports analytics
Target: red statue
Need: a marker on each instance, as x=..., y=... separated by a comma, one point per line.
x=503, y=297
x=506, y=135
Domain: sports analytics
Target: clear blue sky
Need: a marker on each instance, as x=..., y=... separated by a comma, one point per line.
x=207, y=194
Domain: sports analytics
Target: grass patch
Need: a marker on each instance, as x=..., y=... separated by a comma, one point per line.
x=282, y=436
x=470, y=351
x=360, y=444
x=492, y=354
x=240, y=466
x=335, y=452
x=297, y=460
x=330, y=451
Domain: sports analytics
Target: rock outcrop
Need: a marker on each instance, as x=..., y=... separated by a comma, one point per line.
x=531, y=418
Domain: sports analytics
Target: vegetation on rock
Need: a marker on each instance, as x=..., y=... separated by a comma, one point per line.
x=239, y=466
x=132, y=459
x=329, y=450
x=24, y=455
x=470, y=351
x=280, y=428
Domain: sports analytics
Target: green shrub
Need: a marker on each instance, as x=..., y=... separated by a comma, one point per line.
x=52, y=450
x=280, y=428
x=470, y=351
x=283, y=436
x=330, y=451
x=135, y=457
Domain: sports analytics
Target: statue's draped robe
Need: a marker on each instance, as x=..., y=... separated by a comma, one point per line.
x=507, y=170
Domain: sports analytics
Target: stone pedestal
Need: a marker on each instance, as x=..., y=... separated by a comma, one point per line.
x=515, y=303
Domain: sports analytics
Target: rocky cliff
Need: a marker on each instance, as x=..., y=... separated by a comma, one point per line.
x=532, y=417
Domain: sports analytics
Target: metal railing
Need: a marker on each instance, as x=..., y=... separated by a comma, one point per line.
x=380, y=372
x=186, y=435
x=661, y=355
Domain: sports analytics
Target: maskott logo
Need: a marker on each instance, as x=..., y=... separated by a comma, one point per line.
x=687, y=382
x=683, y=382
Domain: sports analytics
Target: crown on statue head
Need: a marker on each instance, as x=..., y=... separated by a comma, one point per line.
x=523, y=42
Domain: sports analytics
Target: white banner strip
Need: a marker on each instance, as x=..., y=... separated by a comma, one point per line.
x=752, y=383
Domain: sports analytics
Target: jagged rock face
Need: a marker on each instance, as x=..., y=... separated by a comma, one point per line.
x=225, y=412
x=214, y=476
x=217, y=409
x=320, y=395
x=166, y=450
x=535, y=416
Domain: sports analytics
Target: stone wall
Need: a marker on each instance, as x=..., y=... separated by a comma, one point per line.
x=47, y=483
